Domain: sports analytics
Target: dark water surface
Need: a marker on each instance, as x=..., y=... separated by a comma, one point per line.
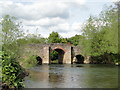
x=73, y=76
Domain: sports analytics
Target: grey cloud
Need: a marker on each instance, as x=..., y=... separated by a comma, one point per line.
x=34, y=11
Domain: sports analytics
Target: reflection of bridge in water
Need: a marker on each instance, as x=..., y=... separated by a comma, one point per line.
x=67, y=53
x=72, y=76
x=52, y=76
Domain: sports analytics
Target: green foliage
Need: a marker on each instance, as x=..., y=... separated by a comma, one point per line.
x=10, y=33
x=54, y=55
x=1, y=53
x=31, y=39
x=54, y=37
x=11, y=72
x=116, y=61
x=10, y=29
x=101, y=34
x=30, y=61
x=75, y=39
x=63, y=40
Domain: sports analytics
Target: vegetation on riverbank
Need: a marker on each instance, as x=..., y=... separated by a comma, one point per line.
x=12, y=72
x=101, y=36
x=28, y=62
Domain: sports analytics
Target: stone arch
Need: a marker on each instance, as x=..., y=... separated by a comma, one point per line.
x=61, y=53
x=60, y=49
x=79, y=59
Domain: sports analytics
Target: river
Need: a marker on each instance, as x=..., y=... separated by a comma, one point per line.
x=72, y=76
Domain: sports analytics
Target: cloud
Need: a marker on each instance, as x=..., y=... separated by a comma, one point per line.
x=44, y=21
x=35, y=10
x=45, y=16
x=76, y=26
x=38, y=8
x=64, y=29
x=47, y=1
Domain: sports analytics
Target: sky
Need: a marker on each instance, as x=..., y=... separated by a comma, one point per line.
x=44, y=16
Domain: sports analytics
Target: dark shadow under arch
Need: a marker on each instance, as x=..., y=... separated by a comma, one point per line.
x=79, y=59
x=39, y=59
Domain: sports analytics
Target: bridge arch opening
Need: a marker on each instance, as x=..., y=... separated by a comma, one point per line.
x=39, y=60
x=79, y=59
x=58, y=57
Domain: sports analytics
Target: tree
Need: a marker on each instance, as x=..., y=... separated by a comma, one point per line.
x=89, y=32
x=75, y=39
x=64, y=40
x=54, y=37
x=12, y=72
x=109, y=17
x=10, y=33
x=101, y=35
x=10, y=29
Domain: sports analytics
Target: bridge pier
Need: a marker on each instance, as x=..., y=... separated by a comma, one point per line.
x=46, y=55
x=67, y=56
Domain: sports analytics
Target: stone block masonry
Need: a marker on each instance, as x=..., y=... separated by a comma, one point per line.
x=66, y=52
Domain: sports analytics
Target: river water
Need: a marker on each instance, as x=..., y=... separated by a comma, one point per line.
x=72, y=76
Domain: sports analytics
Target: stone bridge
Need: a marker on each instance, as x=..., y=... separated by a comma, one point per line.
x=67, y=53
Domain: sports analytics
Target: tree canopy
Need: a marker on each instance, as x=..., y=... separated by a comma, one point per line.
x=54, y=37
x=101, y=34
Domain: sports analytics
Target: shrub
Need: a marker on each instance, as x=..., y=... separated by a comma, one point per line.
x=12, y=72
x=31, y=61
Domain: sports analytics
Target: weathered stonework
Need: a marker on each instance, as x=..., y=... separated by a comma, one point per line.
x=66, y=52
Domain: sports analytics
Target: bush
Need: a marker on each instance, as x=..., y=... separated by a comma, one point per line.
x=31, y=61
x=12, y=72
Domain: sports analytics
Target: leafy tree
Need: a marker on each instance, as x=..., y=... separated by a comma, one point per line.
x=54, y=37
x=109, y=17
x=75, y=39
x=89, y=32
x=101, y=35
x=10, y=29
x=11, y=70
x=10, y=33
x=63, y=40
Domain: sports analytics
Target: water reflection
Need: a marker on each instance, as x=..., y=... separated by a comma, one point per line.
x=72, y=76
x=54, y=77
x=39, y=73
